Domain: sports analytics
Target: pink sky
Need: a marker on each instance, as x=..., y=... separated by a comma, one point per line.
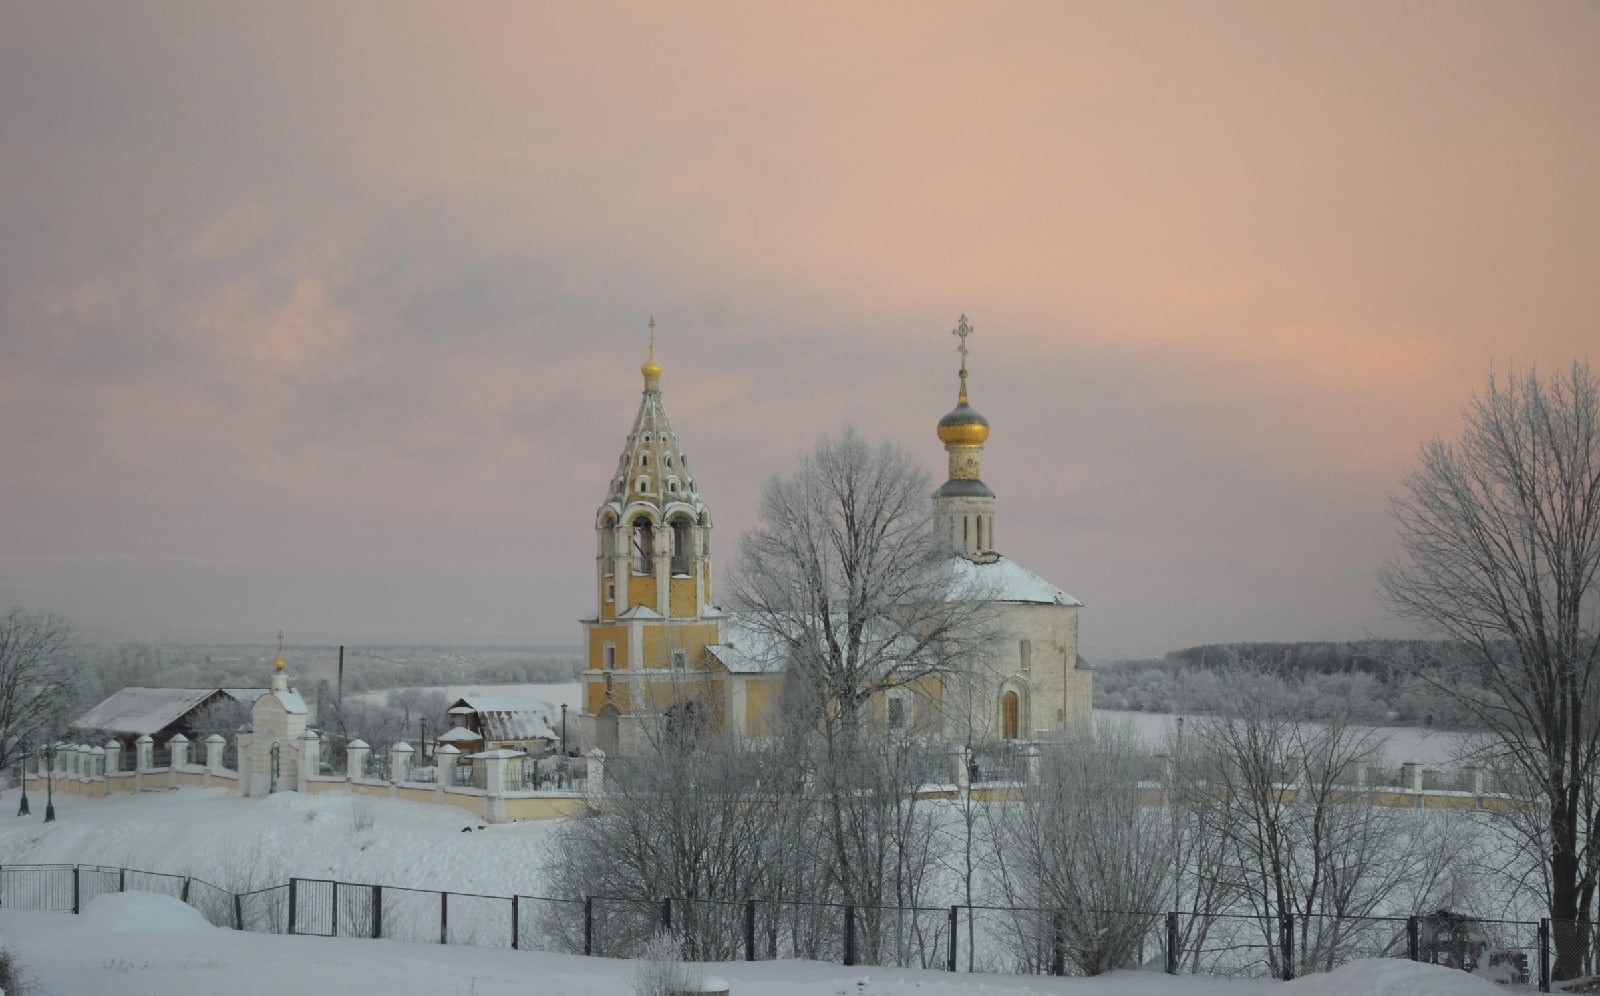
x=328, y=317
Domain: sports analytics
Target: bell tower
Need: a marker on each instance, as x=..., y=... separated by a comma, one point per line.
x=653, y=613
x=963, y=507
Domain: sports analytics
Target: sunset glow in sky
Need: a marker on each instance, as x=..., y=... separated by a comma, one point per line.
x=328, y=317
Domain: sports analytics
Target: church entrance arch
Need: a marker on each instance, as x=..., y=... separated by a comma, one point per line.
x=605, y=730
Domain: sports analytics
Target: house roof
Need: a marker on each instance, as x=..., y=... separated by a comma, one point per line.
x=508, y=718
x=138, y=711
x=459, y=735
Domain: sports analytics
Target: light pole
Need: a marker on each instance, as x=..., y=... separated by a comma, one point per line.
x=22, y=810
x=422, y=741
x=50, y=784
x=563, y=768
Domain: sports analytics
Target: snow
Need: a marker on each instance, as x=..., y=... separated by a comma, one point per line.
x=150, y=710
x=142, y=943
x=1005, y=580
x=1433, y=748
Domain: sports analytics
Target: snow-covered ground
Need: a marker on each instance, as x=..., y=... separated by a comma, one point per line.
x=137, y=943
x=1434, y=748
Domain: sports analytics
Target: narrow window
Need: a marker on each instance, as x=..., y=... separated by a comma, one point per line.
x=611, y=590
x=1010, y=706
x=682, y=545
x=1027, y=654
x=644, y=546
x=680, y=660
x=669, y=461
x=897, y=713
x=644, y=459
x=610, y=656
x=644, y=486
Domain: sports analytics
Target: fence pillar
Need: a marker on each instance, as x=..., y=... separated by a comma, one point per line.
x=1032, y=753
x=179, y=747
x=588, y=925
x=113, y=757
x=749, y=930
x=215, y=745
x=595, y=772
x=294, y=893
x=444, y=916
x=849, y=935
x=1544, y=954
x=961, y=757
x=77, y=893
x=377, y=912
x=355, y=759
x=516, y=920
x=1411, y=775
x=310, y=747
x=1474, y=779
x=955, y=928
x=185, y=894
x=143, y=760
x=1058, y=944
x=1172, y=943
x=444, y=769
x=1286, y=944
x=400, y=762
x=666, y=914
x=238, y=912
x=1413, y=948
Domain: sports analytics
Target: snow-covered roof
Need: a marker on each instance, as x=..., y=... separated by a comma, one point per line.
x=1005, y=580
x=511, y=718
x=753, y=648
x=292, y=702
x=138, y=711
x=459, y=734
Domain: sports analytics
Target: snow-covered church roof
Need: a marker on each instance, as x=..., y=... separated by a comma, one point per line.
x=1005, y=580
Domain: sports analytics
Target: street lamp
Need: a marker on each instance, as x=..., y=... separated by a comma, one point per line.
x=422, y=741
x=22, y=810
x=50, y=784
x=563, y=768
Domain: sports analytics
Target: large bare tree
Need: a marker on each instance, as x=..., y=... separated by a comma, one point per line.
x=1499, y=537
x=843, y=572
x=35, y=686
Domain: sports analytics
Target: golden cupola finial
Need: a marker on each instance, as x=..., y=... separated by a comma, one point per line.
x=651, y=368
x=963, y=426
x=278, y=664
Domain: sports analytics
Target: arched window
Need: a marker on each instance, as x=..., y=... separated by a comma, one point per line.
x=644, y=459
x=1010, y=710
x=644, y=546
x=682, y=544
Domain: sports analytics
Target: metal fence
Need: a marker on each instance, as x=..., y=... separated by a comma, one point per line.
x=954, y=938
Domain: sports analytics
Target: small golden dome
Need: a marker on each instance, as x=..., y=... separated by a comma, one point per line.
x=650, y=368
x=278, y=664
x=963, y=426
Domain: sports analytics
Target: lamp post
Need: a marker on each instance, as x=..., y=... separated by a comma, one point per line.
x=563, y=768
x=50, y=784
x=422, y=741
x=22, y=810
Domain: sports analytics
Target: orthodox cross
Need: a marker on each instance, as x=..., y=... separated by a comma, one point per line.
x=652, y=335
x=961, y=332
x=280, y=643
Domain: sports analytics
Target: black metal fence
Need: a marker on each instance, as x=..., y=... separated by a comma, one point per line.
x=954, y=938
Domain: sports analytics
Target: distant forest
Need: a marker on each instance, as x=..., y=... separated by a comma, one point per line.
x=1357, y=679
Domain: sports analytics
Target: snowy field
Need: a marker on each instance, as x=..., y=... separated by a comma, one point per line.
x=1434, y=748
x=138, y=943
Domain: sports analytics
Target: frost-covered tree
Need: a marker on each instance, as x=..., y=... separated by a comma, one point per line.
x=35, y=680
x=1499, y=552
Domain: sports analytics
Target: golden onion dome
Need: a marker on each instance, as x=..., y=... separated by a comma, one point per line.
x=963, y=426
x=650, y=367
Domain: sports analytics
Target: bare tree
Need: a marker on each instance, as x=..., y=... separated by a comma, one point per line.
x=1499, y=537
x=35, y=680
x=1302, y=842
x=843, y=571
x=844, y=575
x=1085, y=851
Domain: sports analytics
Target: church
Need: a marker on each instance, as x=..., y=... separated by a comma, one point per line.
x=660, y=651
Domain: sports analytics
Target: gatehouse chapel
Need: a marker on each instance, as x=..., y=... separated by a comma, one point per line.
x=660, y=652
